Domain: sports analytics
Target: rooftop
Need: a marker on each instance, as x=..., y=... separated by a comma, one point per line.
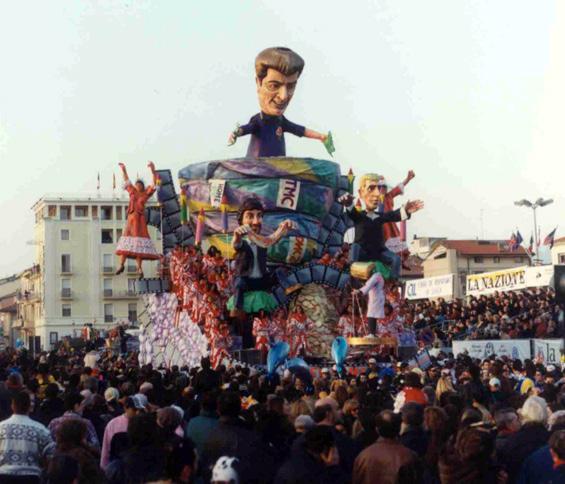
x=482, y=247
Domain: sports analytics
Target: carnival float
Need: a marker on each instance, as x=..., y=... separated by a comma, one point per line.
x=253, y=253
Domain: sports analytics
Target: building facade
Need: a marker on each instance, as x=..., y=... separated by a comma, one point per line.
x=464, y=257
x=75, y=285
x=558, y=251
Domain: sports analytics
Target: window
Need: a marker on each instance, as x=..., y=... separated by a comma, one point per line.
x=107, y=287
x=131, y=286
x=478, y=259
x=119, y=233
x=107, y=236
x=132, y=312
x=108, y=313
x=66, y=311
x=65, y=287
x=95, y=213
x=65, y=212
x=108, y=262
x=65, y=234
x=131, y=268
x=53, y=337
x=118, y=213
x=561, y=258
x=106, y=213
x=496, y=260
x=66, y=263
x=81, y=211
x=52, y=210
x=443, y=255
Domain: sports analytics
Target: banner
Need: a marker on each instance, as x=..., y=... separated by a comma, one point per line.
x=288, y=193
x=216, y=192
x=430, y=287
x=548, y=351
x=539, y=276
x=481, y=349
x=489, y=282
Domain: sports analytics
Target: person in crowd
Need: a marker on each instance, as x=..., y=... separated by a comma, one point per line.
x=25, y=445
x=71, y=438
x=412, y=392
x=317, y=462
x=51, y=406
x=412, y=434
x=132, y=405
x=73, y=410
x=532, y=435
x=201, y=426
x=385, y=460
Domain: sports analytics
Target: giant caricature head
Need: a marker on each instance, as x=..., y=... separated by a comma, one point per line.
x=369, y=190
x=277, y=70
x=251, y=213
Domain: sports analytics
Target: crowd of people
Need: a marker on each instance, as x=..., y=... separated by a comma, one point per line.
x=508, y=315
x=460, y=421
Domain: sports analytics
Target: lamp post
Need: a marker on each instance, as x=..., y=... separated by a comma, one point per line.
x=540, y=202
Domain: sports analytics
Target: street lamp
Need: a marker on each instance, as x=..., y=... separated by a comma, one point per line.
x=540, y=202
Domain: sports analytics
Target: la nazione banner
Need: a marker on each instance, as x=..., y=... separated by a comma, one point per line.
x=489, y=282
x=509, y=279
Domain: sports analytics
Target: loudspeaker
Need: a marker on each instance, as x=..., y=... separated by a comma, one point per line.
x=559, y=283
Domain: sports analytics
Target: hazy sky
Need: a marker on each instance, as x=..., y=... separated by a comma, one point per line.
x=468, y=94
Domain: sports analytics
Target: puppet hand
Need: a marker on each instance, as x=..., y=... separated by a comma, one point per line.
x=232, y=138
x=346, y=200
x=287, y=225
x=414, y=206
x=411, y=174
x=241, y=230
x=151, y=166
x=121, y=165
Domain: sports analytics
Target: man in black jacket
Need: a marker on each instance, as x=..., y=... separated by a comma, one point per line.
x=251, y=258
x=369, y=243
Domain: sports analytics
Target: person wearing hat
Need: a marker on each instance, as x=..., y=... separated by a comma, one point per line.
x=133, y=406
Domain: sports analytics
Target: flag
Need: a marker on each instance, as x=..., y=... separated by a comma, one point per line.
x=550, y=239
x=531, y=246
x=224, y=215
x=113, y=181
x=329, y=144
x=98, y=181
x=350, y=179
x=512, y=242
x=519, y=240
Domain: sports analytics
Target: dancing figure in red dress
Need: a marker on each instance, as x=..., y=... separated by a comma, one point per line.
x=220, y=343
x=298, y=326
x=261, y=325
x=135, y=242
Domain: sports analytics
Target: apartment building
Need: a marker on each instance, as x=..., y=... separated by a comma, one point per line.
x=463, y=257
x=74, y=285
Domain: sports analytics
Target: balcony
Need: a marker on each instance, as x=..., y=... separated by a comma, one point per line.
x=66, y=293
x=27, y=296
x=66, y=271
x=108, y=270
x=108, y=318
x=111, y=294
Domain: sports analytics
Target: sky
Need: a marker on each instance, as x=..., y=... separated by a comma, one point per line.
x=467, y=94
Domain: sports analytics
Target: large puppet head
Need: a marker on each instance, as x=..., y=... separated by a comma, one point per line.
x=369, y=190
x=277, y=71
x=251, y=213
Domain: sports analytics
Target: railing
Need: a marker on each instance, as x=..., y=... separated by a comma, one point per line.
x=111, y=294
x=108, y=318
x=66, y=293
x=108, y=292
x=108, y=270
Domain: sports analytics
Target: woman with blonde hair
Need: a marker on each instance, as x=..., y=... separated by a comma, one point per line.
x=444, y=384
